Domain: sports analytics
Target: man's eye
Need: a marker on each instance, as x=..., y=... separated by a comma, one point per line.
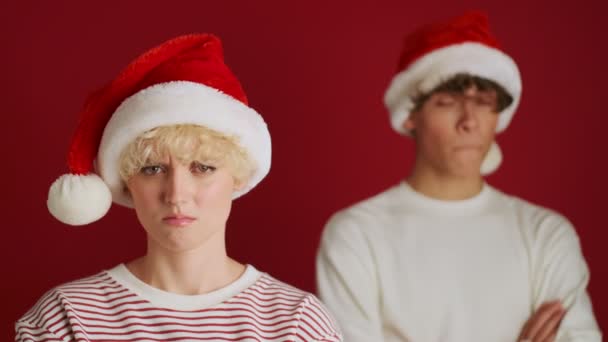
x=151, y=169
x=202, y=168
x=445, y=100
x=484, y=101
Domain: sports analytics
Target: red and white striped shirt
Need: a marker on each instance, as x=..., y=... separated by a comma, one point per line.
x=114, y=305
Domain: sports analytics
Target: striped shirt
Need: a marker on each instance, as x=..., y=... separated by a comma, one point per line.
x=114, y=305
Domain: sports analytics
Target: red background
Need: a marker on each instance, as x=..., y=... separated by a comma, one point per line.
x=317, y=71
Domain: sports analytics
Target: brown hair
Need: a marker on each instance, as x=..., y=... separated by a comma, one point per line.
x=461, y=82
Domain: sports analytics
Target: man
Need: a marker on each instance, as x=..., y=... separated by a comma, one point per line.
x=443, y=256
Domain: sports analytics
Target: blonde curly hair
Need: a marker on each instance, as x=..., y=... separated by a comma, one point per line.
x=187, y=143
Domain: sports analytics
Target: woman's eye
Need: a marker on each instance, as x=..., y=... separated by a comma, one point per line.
x=151, y=170
x=202, y=168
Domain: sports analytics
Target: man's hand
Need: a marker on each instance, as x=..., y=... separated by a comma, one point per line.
x=542, y=326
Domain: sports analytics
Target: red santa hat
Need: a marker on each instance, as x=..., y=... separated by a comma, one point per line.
x=182, y=81
x=435, y=53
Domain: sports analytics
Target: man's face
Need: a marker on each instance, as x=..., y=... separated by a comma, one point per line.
x=453, y=131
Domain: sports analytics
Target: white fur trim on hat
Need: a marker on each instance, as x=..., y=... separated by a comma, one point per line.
x=432, y=69
x=79, y=199
x=181, y=102
x=492, y=160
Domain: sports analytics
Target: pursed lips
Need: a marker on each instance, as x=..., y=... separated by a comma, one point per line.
x=467, y=147
x=178, y=220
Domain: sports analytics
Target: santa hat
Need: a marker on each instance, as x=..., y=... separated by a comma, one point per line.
x=433, y=54
x=182, y=81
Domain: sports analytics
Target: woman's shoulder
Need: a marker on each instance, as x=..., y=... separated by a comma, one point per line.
x=54, y=306
x=313, y=320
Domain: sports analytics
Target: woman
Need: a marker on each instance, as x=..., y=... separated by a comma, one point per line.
x=173, y=137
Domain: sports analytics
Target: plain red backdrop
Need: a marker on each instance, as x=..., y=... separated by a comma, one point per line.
x=317, y=71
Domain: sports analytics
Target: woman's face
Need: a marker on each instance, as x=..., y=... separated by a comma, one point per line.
x=182, y=207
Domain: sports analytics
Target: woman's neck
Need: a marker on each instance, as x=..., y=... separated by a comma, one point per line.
x=191, y=272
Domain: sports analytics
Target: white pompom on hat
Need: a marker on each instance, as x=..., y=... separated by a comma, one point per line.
x=435, y=53
x=182, y=81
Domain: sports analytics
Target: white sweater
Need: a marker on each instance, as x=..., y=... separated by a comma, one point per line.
x=401, y=266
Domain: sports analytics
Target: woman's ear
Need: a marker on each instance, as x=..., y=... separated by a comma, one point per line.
x=125, y=190
x=239, y=184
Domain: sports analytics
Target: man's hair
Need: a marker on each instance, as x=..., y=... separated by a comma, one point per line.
x=187, y=143
x=460, y=83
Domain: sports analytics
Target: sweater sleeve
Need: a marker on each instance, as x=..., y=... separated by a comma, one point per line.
x=25, y=331
x=45, y=321
x=316, y=324
x=560, y=273
x=347, y=282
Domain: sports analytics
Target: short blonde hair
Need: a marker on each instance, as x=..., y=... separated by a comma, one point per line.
x=187, y=143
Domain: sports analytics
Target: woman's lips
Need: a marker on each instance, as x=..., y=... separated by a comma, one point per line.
x=178, y=221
